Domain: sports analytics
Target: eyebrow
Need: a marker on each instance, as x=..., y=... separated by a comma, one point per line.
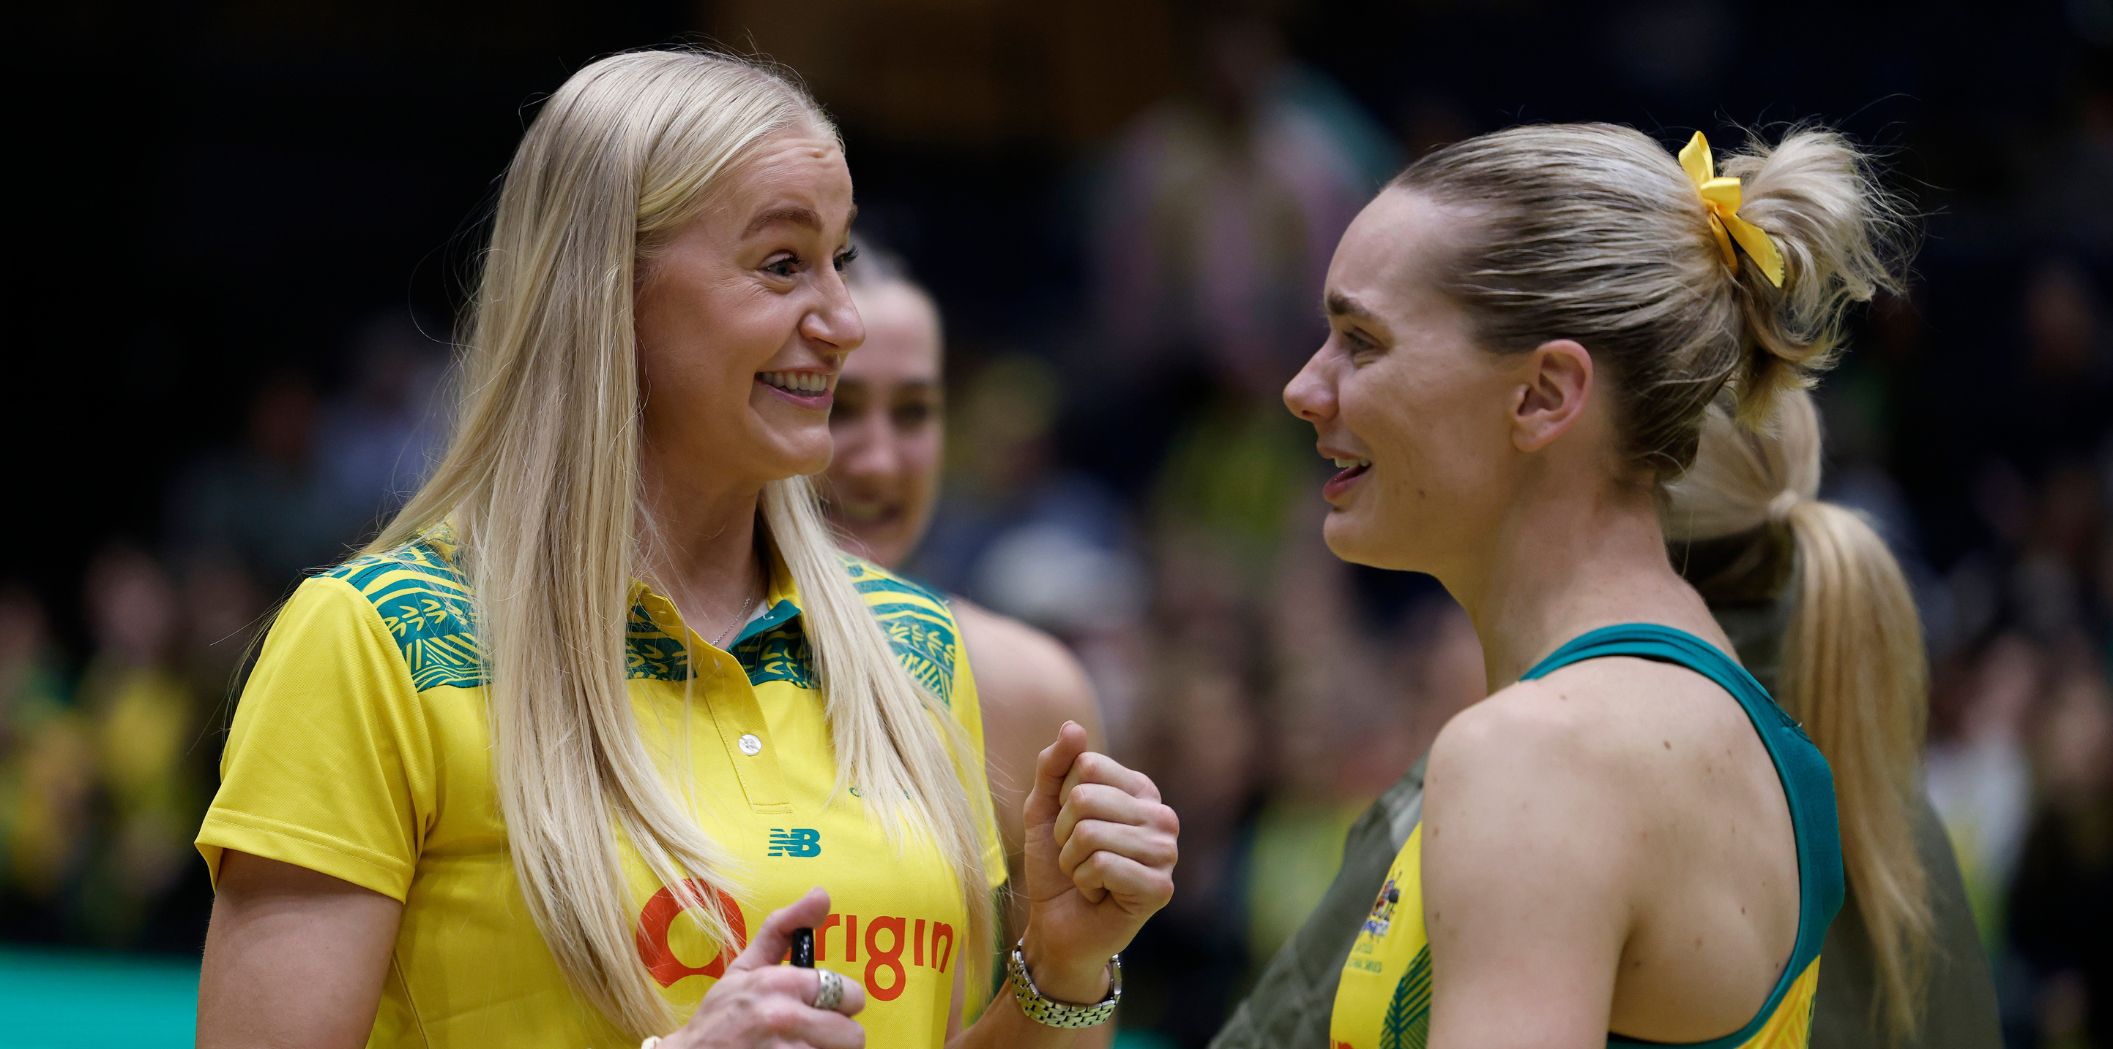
x=1341, y=305
x=794, y=214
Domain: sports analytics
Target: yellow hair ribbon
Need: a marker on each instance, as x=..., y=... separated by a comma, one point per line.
x=1720, y=194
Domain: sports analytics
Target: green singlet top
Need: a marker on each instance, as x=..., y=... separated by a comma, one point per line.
x=1384, y=1000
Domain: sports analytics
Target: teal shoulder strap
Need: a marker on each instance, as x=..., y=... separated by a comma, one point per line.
x=1807, y=784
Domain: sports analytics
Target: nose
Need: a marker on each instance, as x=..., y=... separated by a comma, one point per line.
x=834, y=321
x=1310, y=394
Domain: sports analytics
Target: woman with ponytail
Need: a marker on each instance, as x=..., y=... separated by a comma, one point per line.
x=1627, y=842
x=571, y=751
x=1821, y=613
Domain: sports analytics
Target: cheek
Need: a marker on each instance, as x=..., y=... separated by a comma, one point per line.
x=920, y=451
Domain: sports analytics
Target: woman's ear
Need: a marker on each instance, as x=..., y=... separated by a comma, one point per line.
x=1556, y=386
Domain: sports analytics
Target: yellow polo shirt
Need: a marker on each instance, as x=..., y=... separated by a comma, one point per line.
x=361, y=749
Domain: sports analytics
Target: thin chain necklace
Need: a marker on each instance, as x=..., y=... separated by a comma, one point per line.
x=739, y=619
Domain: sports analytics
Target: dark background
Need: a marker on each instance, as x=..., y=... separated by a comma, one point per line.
x=248, y=227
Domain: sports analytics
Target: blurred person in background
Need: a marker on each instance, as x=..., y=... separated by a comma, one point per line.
x=146, y=718
x=888, y=424
x=264, y=502
x=47, y=778
x=1822, y=614
x=467, y=761
x=2059, y=911
x=1526, y=330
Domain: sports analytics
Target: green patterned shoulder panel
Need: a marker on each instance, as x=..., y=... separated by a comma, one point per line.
x=918, y=622
x=424, y=602
x=425, y=605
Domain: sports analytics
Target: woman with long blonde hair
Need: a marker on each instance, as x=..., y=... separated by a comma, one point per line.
x=1820, y=611
x=558, y=759
x=1627, y=842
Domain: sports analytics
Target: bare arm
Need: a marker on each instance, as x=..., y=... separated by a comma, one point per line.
x=293, y=959
x=1527, y=894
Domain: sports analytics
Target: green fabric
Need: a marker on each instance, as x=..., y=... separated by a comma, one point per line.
x=1295, y=994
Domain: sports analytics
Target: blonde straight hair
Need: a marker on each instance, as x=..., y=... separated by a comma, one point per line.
x=1853, y=669
x=541, y=485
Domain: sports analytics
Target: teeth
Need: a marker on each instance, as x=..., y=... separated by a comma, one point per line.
x=797, y=382
x=1345, y=464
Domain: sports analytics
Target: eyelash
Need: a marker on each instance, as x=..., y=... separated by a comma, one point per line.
x=775, y=266
x=1358, y=343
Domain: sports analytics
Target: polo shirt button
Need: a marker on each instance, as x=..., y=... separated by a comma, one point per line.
x=751, y=744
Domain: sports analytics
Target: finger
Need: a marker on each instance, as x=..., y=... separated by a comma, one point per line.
x=1095, y=767
x=1051, y=768
x=854, y=1000
x=805, y=987
x=788, y=1020
x=1098, y=801
x=1139, y=887
x=774, y=940
x=1147, y=845
x=832, y=1031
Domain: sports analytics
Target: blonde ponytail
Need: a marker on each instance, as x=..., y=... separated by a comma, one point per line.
x=1852, y=672
x=1841, y=236
x=541, y=485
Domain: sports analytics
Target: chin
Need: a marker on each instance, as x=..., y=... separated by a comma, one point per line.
x=1358, y=543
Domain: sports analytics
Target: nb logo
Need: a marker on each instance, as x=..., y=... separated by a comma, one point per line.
x=799, y=842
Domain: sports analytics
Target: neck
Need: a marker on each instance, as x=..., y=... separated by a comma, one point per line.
x=700, y=547
x=1558, y=566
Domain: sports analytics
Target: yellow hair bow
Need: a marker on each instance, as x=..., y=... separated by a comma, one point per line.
x=1721, y=195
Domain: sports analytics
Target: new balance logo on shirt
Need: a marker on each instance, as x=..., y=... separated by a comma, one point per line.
x=798, y=842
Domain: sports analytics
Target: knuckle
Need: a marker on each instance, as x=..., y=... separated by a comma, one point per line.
x=779, y=1015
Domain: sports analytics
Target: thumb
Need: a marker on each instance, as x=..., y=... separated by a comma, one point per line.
x=774, y=940
x=1051, y=769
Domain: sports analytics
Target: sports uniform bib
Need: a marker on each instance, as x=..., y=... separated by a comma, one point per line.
x=1384, y=999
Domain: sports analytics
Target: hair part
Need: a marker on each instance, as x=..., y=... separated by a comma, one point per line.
x=1593, y=232
x=1853, y=668
x=542, y=485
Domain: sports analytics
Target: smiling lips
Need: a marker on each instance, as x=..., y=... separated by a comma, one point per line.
x=809, y=389
x=1350, y=469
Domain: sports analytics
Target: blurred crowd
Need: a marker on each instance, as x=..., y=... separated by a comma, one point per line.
x=1122, y=474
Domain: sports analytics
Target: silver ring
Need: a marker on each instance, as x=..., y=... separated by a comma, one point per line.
x=829, y=990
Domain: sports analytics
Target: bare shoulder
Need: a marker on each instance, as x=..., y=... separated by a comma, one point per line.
x=1030, y=683
x=1572, y=762
x=1535, y=750
x=1603, y=718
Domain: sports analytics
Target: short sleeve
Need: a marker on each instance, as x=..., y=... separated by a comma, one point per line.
x=967, y=709
x=328, y=764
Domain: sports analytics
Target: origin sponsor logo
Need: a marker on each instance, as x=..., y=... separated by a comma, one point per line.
x=887, y=945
